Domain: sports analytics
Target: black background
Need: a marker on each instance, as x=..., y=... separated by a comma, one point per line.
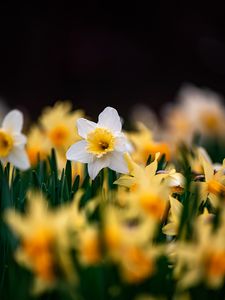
x=106, y=54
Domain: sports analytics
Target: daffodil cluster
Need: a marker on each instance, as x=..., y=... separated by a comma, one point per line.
x=90, y=211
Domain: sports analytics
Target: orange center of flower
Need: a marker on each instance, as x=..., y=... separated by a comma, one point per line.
x=6, y=143
x=215, y=264
x=210, y=121
x=153, y=205
x=112, y=237
x=136, y=266
x=100, y=141
x=90, y=248
x=38, y=248
x=216, y=188
x=153, y=148
x=34, y=153
x=134, y=187
x=59, y=135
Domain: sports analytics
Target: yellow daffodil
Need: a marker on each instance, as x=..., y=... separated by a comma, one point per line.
x=125, y=227
x=144, y=145
x=89, y=246
x=144, y=176
x=214, y=185
x=148, y=191
x=45, y=241
x=174, y=217
x=139, y=175
x=59, y=125
x=129, y=243
x=176, y=208
x=202, y=259
x=38, y=147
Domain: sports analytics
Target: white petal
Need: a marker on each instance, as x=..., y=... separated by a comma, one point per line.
x=110, y=119
x=121, y=144
x=19, y=159
x=85, y=126
x=13, y=121
x=19, y=139
x=95, y=167
x=129, y=147
x=77, y=152
x=176, y=179
x=118, y=163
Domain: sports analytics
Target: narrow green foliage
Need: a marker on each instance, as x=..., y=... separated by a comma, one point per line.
x=162, y=163
x=68, y=174
x=149, y=160
x=75, y=185
x=189, y=199
x=112, y=177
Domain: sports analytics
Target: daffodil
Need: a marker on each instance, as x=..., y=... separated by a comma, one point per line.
x=89, y=246
x=204, y=109
x=148, y=193
x=45, y=240
x=197, y=111
x=201, y=260
x=214, y=185
x=145, y=145
x=38, y=147
x=174, y=217
x=143, y=113
x=57, y=122
x=128, y=241
x=143, y=176
x=12, y=141
x=139, y=176
x=103, y=143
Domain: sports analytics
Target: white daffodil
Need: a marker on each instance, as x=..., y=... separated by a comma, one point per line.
x=103, y=143
x=12, y=141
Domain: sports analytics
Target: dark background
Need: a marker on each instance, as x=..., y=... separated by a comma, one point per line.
x=99, y=55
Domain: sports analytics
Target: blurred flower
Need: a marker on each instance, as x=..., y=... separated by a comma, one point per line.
x=59, y=125
x=178, y=127
x=148, y=191
x=103, y=144
x=197, y=111
x=38, y=147
x=171, y=228
x=176, y=208
x=139, y=175
x=44, y=241
x=137, y=264
x=204, y=109
x=144, y=145
x=201, y=260
x=144, y=176
x=214, y=185
x=128, y=241
x=12, y=141
x=141, y=113
x=89, y=246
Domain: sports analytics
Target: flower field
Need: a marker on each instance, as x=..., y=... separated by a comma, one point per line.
x=112, y=209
